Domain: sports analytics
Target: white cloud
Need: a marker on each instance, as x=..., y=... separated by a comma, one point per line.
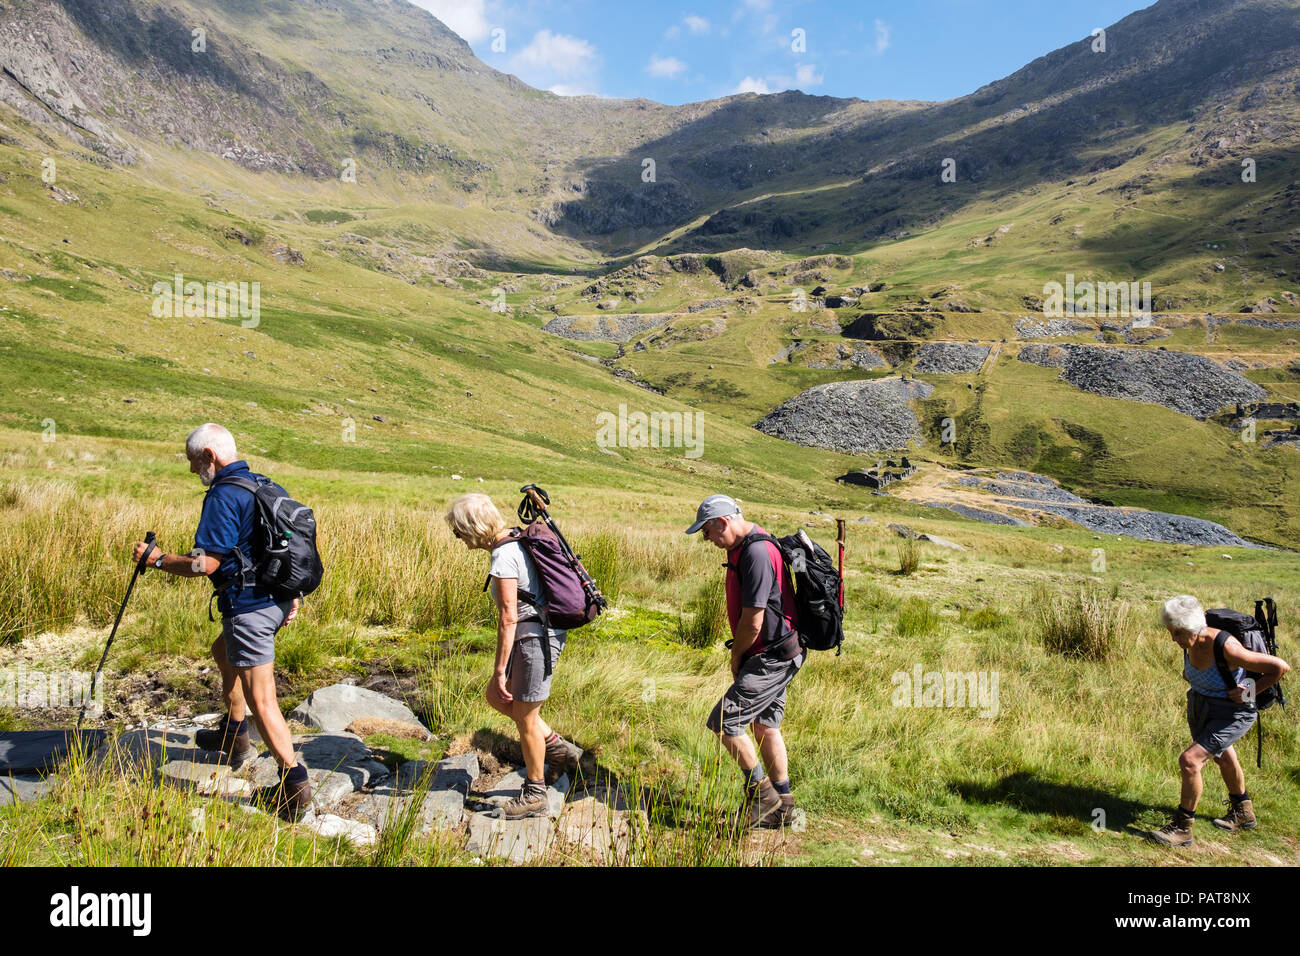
x=672, y=32
x=752, y=85
x=697, y=24
x=568, y=89
x=806, y=77
x=468, y=18
x=665, y=66
x=558, y=55
x=882, y=36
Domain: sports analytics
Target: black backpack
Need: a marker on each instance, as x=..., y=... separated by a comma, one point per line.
x=819, y=608
x=285, y=560
x=1258, y=634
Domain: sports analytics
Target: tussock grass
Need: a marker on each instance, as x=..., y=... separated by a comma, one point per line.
x=917, y=617
x=1083, y=623
x=705, y=622
x=909, y=556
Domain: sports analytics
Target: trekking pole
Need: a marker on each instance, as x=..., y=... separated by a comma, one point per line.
x=839, y=528
x=139, y=569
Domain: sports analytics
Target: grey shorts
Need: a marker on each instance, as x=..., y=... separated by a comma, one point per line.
x=526, y=670
x=250, y=637
x=1217, y=723
x=757, y=696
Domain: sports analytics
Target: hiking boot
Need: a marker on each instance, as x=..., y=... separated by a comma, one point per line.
x=760, y=802
x=1177, y=832
x=237, y=747
x=288, y=798
x=531, y=802
x=561, y=757
x=1240, y=816
x=781, y=815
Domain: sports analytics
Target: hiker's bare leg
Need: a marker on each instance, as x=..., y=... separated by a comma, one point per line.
x=772, y=746
x=532, y=737
x=742, y=749
x=231, y=692
x=259, y=686
x=1190, y=763
x=1230, y=767
x=507, y=709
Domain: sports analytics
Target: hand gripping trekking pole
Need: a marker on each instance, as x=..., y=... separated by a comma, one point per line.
x=139, y=569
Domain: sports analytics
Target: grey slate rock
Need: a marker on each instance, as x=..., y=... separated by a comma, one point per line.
x=1157, y=377
x=518, y=841
x=24, y=787
x=853, y=417
x=332, y=708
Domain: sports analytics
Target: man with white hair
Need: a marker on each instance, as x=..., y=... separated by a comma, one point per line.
x=1217, y=716
x=250, y=616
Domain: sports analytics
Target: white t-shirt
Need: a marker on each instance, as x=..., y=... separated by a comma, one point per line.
x=511, y=560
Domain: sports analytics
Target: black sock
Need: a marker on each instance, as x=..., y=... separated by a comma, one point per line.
x=1239, y=797
x=235, y=728
x=782, y=787
x=297, y=773
x=1190, y=813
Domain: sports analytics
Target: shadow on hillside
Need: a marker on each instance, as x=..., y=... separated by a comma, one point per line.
x=1088, y=114
x=1031, y=794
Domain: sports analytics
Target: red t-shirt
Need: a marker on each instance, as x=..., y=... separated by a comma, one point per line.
x=763, y=581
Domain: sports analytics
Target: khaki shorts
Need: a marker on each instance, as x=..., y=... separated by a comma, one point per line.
x=1217, y=723
x=250, y=637
x=526, y=670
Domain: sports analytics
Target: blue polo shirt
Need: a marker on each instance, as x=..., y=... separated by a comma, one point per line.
x=228, y=523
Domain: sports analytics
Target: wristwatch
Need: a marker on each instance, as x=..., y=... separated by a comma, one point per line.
x=158, y=564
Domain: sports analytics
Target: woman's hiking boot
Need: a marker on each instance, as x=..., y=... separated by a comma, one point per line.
x=531, y=802
x=761, y=801
x=1178, y=831
x=561, y=757
x=1240, y=816
x=289, y=797
x=235, y=745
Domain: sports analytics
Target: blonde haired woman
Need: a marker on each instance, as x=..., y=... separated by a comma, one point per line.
x=519, y=684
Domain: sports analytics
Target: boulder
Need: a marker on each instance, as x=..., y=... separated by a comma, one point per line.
x=941, y=542
x=440, y=809
x=451, y=773
x=334, y=707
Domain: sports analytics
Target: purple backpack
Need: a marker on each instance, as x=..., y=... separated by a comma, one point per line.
x=569, y=596
x=564, y=602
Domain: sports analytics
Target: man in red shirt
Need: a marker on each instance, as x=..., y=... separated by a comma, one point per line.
x=765, y=656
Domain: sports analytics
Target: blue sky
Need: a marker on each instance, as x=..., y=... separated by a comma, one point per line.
x=683, y=52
